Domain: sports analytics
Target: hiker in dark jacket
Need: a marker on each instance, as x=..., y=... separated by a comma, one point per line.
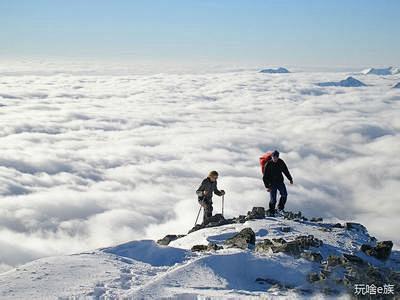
x=205, y=192
x=273, y=181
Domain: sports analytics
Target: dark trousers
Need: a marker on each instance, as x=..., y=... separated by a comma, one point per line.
x=280, y=186
x=208, y=208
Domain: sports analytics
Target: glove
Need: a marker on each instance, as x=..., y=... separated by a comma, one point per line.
x=291, y=181
x=222, y=192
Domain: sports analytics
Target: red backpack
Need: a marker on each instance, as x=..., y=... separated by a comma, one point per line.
x=264, y=159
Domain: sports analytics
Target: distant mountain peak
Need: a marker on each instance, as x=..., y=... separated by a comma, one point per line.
x=279, y=70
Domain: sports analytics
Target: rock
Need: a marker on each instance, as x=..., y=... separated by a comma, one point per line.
x=279, y=241
x=216, y=220
x=353, y=259
x=256, y=213
x=355, y=226
x=279, y=70
x=312, y=256
x=313, y=277
x=199, y=248
x=214, y=247
x=264, y=246
x=285, y=229
x=337, y=225
x=168, y=239
x=292, y=216
x=397, y=86
x=307, y=241
x=242, y=239
x=239, y=219
x=334, y=261
x=291, y=248
x=268, y=280
x=381, y=251
x=348, y=82
x=316, y=219
x=196, y=227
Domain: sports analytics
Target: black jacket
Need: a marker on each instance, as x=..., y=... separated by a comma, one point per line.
x=210, y=187
x=273, y=173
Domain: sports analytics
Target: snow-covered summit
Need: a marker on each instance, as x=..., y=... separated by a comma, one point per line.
x=279, y=70
x=381, y=71
x=247, y=257
x=348, y=82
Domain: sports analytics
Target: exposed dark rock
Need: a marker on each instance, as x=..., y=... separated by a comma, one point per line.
x=242, y=239
x=307, y=241
x=214, y=247
x=355, y=226
x=291, y=215
x=313, y=277
x=312, y=256
x=316, y=219
x=337, y=225
x=353, y=259
x=239, y=219
x=291, y=248
x=264, y=246
x=199, y=248
x=268, y=280
x=256, y=213
x=217, y=220
x=279, y=241
x=381, y=251
x=168, y=239
x=285, y=229
x=334, y=261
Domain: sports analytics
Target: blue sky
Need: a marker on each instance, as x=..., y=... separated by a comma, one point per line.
x=265, y=32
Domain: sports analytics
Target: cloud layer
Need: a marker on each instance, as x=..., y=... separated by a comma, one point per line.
x=89, y=161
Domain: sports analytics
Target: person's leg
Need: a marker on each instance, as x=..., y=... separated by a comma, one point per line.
x=207, y=211
x=272, y=198
x=283, y=192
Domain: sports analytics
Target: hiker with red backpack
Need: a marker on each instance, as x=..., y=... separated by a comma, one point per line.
x=273, y=167
x=205, y=192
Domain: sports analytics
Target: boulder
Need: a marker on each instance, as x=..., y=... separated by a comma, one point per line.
x=256, y=213
x=291, y=248
x=353, y=259
x=313, y=277
x=214, y=247
x=242, y=239
x=307, y=241
x=292, y=216
x=337, y=225
x=199, y=248
x=312, y=256
x=217, y=220
x=285, y=229
x=334, y=261
x=355, y=226
x=239, y=219
x=316, y=219
x=279, y=241
x=264, y=246
x=381, y=251
x=168, y=239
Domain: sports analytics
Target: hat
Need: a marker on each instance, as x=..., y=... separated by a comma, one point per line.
x=275, y=153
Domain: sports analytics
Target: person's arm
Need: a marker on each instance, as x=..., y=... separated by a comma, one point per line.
x=285, y=171
x=217, y=191
x=200, y=190
x=266, y=180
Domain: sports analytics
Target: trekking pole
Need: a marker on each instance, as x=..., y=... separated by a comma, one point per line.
x=223, y=196
x=197, y=216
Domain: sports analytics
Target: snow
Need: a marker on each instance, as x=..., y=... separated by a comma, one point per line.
x=279, y=70
x=143, y=269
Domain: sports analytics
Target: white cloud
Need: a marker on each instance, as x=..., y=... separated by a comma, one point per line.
x=87, y=161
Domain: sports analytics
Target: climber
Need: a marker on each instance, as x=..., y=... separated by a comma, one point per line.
x=273, y=181
x=205, y=192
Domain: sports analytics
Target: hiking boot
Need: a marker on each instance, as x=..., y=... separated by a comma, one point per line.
x=270, y=213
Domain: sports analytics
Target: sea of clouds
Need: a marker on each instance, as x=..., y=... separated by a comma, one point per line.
x=92, y=160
